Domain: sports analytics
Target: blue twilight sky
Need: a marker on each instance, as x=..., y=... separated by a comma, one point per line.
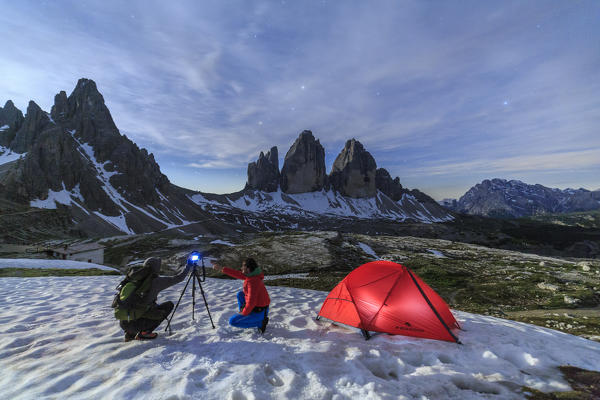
x=443, y=94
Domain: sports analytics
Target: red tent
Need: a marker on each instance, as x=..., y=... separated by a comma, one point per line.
x=382, y=296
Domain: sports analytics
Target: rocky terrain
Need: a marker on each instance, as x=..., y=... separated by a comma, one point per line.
x=514, y=199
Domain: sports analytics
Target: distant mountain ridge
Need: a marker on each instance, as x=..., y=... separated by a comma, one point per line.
x=75, y=157
x=514, y=199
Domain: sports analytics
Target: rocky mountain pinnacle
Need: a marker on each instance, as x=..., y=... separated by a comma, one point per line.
x=263, y=174
x=353, y=171
x=61, y=106
x=11, y=120
x=36, y=120
x=304, y=166
x=390, y=187
x=138, y=173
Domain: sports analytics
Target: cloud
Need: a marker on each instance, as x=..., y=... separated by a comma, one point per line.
x=561, y=161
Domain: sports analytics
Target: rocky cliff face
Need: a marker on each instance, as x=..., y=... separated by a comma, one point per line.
x=263, y=174
x=391, y=187
x=76, y=157
x=353, y=171
x=502, y=198
x=304, y=166
x=34, y=123
x=11, y=120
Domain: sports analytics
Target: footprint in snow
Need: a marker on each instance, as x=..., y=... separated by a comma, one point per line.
x=237, y=395
x=272, y=377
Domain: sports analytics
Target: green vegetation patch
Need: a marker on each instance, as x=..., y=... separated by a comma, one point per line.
x=586, y=326
x=586, y=219
x=585, y=384
x=323, y=281
x=115, y=253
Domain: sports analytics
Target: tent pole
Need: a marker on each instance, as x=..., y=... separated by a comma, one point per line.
x=432, y=307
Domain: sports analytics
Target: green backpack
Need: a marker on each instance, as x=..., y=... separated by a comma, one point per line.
x=130, y=292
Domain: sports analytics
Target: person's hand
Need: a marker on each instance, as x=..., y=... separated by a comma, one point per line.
x=217, y=267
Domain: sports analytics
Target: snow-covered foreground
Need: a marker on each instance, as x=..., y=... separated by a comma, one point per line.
x=50, y=264
x=58, y=339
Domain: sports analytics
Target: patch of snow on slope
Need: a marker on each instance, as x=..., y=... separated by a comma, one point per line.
x=303, y=275
x=50, y=264
x=367, y=249
x=4, y=127
x=219, y=241
x=6, y=155
x=118, y=222
x=59, y=339
x=64, y=197
x=436, y=253
x=201, y=200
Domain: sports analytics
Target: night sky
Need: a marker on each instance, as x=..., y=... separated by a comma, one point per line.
x=443, y=94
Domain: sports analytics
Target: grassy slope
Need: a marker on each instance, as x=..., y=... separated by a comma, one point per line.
x=588, y=219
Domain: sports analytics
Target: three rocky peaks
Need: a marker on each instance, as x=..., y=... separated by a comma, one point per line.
x=354, y=172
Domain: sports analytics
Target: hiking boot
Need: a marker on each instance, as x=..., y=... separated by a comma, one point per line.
x=146, y=335
x=264, y=325
x=129, y=336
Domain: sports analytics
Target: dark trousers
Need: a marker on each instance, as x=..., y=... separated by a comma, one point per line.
x=147, y=324
x=252, y=320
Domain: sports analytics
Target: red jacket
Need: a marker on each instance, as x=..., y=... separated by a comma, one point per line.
x=255, y=291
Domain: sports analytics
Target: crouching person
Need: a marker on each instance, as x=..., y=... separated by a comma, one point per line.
x=253, y=301
x=135, y=304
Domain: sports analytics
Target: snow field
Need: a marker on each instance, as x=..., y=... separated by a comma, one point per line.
x=58, y=339
x=6, y=155
x=50, y=264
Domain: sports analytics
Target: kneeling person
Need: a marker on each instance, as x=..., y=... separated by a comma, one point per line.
x=253, y=301
x=136, y=308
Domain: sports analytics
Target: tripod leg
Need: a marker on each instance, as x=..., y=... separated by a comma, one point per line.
x=193, y=295
x=205, y=302
x=177, y=305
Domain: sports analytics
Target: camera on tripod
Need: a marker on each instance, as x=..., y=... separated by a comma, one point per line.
x=193, y=258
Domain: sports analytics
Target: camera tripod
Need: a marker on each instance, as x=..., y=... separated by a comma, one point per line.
x=194, y=277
